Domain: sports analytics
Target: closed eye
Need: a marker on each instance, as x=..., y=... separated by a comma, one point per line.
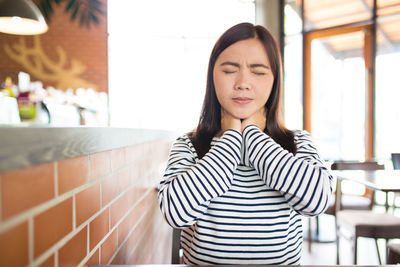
x=228, y=71
x=259, y=73
x=259, y=69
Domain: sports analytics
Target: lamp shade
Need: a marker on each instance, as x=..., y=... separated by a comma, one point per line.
x=21, y=17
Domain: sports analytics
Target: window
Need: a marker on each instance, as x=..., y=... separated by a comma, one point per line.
x=158, y=57
x=349, y=104
x=387, y=110
x=293, y=67
x=338, y=96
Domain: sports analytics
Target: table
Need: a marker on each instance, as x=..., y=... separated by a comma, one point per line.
x=233, y=265
x=382, y=180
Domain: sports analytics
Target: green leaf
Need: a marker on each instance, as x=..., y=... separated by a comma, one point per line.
x=96, y=6
x=75, y=12
x=94, y=18
x=70, y=4
x=97, y=9
x=44, y=8
x=47, y=7
x=88, y=11
x=82, y=19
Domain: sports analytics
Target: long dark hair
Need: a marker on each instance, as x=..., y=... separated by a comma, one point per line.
x=210, y=118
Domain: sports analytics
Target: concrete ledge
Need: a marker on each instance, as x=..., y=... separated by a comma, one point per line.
x=27, y=146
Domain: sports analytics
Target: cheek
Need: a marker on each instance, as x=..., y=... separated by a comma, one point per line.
x=221, y=97
x=220, y=89
x=267, y=92
x=263, y=96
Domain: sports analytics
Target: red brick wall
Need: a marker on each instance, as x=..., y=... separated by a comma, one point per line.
x=86, y=46
x=100, y=208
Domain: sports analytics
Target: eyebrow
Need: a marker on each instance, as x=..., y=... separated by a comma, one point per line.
x=230, y=63
x=257, y=65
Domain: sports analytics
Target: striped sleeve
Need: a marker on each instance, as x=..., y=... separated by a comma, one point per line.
x=189, y=184
x=302, y=179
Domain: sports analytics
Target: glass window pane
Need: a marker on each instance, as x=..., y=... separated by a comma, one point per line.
x=328, y=13
x=292, y=15
x=388, y=33
x=387, y=111
x=388, y=7
x=338, y=98
x=293, y=82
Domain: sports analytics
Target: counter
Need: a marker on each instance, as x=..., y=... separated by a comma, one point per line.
x=28, y=146
x=82, y=196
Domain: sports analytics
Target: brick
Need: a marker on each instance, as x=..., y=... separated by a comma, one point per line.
x=108, y=248
x=119, y=208
x=121, y=256
x=126, y=225
x=98, y=228
x=25, y=188
x=74, y=251
x=147, y=240
x=14, y=246
x=100, y=164
x=133, y=238
x=52, y=225
x=135, y=173
x=109, y=189
x=139, y=249
x=132, y=153
x=123, y=180
x=72, y=173
x=117, y=158
x=50, y=262
x=87, y=203
x=134, y=195
x=94, y=260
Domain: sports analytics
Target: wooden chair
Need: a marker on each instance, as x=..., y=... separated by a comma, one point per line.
x=351, y=202
x=348, y=202
x=365, y=223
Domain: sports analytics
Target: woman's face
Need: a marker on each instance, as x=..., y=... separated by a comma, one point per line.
x=243, y=78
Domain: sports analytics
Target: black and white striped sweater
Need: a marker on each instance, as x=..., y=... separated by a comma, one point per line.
x=241, y=203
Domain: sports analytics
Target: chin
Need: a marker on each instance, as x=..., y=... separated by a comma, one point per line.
x=241, y=115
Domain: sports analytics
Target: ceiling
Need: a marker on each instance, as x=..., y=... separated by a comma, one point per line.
x=321, y=14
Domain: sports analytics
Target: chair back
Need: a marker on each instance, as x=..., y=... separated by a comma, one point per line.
x=396, y=161
x=176, y=246
x=356, y=165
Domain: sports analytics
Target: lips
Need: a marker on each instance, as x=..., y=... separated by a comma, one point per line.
x=242, y=100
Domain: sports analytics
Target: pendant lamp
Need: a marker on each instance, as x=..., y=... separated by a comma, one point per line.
x=21, y=17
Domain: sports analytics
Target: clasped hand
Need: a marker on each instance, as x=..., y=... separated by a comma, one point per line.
x=230, y=122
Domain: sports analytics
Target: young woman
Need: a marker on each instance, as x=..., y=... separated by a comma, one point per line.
x=238, y=183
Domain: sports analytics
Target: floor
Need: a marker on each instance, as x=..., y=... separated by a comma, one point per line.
x=325, y=253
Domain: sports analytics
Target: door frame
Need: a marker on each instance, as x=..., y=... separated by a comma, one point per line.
x=369, y=42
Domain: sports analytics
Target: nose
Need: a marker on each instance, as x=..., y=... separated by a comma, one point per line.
x=242, y=81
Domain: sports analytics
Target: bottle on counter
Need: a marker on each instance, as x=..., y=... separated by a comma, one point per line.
x=8, y=88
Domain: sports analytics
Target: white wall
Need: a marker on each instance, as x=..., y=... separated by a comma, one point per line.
x=158, y=57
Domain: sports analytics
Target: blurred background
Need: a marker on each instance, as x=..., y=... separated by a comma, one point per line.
x=137, y=70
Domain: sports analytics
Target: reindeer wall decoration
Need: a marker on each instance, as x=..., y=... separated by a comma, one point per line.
x=35, y=61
